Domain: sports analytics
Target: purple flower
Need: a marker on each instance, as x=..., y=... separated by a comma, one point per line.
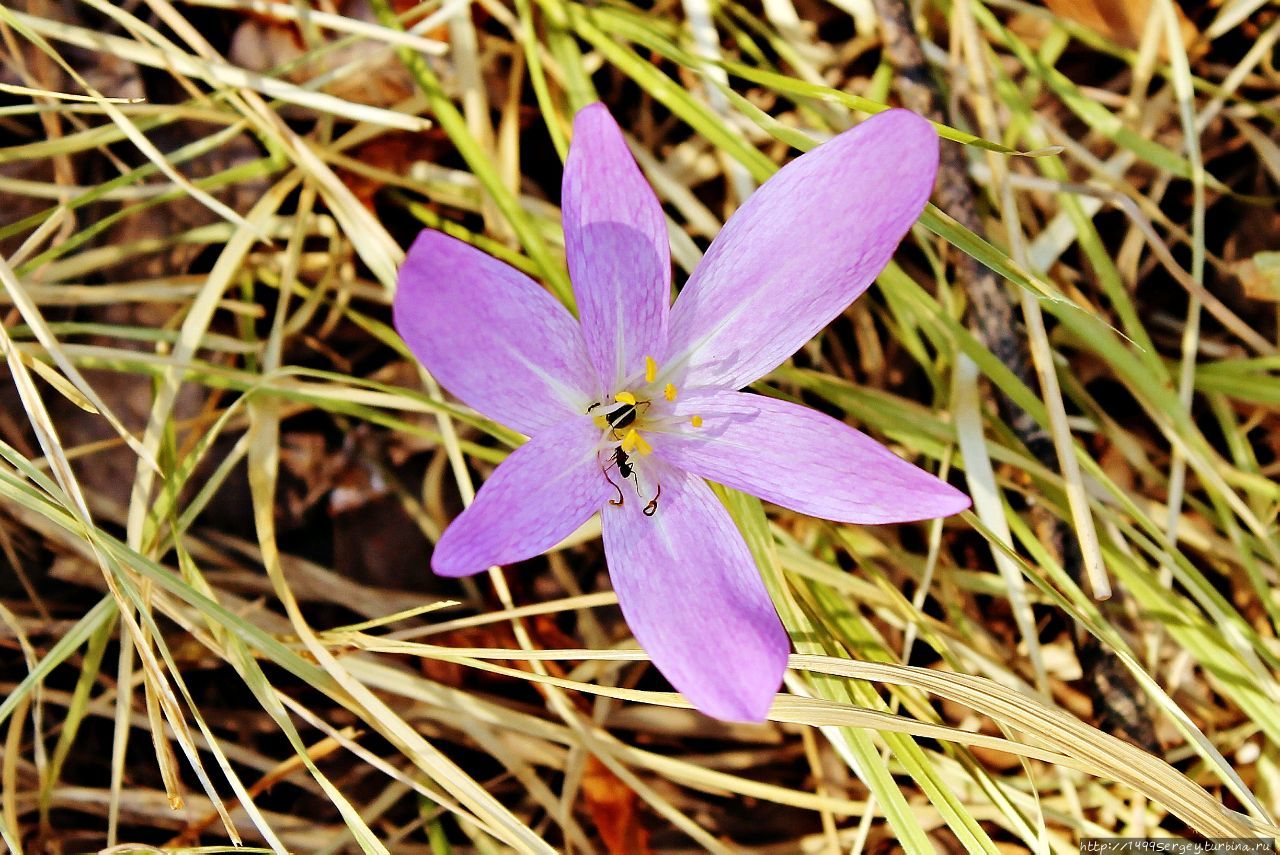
x=629, y=408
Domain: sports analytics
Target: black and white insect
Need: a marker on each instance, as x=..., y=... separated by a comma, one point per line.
x=622, y=416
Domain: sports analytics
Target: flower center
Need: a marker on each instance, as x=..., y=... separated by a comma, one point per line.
x=630, y=412
x=634, y=410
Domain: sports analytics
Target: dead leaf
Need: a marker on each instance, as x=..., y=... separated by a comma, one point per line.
x=1260, y=276
x=264, y=43
x=1124, y=22
x=613, y=807
x=393, y=152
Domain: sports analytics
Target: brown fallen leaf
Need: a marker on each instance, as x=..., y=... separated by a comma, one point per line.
x=1260, y=276
x=614, y=809
x=1124, y=22
x=393, y=152
x=262, y=43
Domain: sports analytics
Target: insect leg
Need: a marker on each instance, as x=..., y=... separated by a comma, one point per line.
x=617, y=503
x=652, y=508
x=604, y=470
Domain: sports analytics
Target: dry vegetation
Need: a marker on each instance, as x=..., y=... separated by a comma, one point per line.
x=221, y=473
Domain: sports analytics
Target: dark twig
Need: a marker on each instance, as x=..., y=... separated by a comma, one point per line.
x=1116, y=698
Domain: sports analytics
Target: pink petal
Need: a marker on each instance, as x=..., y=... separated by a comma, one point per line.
x=693, y=597
x=616, y=242
x=491, y=336
x=803, y=460
x=801, y=249
x=535, y=498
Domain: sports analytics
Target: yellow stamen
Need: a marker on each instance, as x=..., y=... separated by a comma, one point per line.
x=625, y=398
x=650, y=369
x=633, y=441
x=696, y=421
x=601, y=422
x=669, y=392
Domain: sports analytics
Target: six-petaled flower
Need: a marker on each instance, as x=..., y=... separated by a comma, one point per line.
x=631, y=406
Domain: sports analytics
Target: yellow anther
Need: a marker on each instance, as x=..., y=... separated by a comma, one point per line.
x=696, y=421
x=650, y=370
x=625, y=398
x=601, y=422
x=633, y=441
x=669, y=392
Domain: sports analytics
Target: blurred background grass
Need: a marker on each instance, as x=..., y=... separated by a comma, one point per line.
x=221, y=473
